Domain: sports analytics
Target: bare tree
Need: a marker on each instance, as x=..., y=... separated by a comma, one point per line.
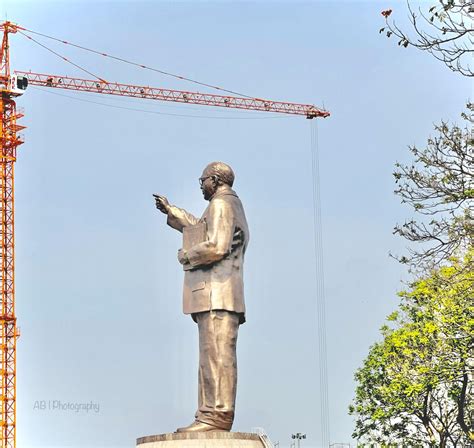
x=439, y=184
x=445, y=30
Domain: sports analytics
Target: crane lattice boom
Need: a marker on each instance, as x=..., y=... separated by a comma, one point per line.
x=177, y=96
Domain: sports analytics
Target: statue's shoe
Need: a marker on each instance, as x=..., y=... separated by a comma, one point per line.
x=197, y=426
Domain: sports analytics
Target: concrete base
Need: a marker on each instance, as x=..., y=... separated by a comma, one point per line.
x=202, y=440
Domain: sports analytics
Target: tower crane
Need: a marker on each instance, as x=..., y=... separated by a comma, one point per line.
x=15, y=84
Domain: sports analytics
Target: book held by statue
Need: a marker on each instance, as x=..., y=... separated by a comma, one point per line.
x=193, y=235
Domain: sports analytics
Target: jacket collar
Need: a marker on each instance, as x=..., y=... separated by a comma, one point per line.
x=226, y=191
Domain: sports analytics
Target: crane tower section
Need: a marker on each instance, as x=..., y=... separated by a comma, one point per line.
x=9, y=142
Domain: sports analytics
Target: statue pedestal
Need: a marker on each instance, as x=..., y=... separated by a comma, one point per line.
x=202, y=440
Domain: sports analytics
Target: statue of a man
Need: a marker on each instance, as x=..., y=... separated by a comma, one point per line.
x=214, y=292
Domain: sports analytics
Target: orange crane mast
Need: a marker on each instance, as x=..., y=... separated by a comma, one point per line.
x=9, y=142
x=12, y=86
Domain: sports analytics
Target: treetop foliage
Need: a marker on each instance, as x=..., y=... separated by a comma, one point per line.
x=444, y=29
x=439, y=184
x=415, y=387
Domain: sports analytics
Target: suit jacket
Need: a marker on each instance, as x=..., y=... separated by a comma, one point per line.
x=215, y=281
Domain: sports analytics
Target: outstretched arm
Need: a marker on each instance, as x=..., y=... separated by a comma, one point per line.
x=177, y=217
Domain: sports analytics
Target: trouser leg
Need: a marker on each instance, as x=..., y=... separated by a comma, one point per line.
x=217, y=367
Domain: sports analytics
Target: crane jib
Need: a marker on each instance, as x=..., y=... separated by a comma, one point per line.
x=180, y=96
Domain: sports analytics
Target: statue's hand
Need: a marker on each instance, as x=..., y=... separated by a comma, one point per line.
x=162, y=203
x=183, y=256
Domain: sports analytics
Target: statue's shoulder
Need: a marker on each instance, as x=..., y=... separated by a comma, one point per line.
x=225, y=195
x=226, y=200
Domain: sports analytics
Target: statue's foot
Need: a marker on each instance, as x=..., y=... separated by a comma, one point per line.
x=197, y=426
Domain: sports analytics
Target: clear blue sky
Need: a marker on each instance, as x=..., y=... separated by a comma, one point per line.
x=98, y=284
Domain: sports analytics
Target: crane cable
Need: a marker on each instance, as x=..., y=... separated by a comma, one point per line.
x=320, y=291
x=183, y=78
x=62, y=57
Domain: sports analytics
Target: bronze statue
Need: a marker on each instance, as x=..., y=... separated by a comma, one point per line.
x=212, y=257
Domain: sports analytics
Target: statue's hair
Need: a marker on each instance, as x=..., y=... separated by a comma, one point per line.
x=223, y=171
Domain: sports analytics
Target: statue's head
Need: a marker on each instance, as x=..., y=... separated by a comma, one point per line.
x=215, y=174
